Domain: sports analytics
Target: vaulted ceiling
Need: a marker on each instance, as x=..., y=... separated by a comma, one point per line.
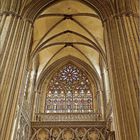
x=68, y=28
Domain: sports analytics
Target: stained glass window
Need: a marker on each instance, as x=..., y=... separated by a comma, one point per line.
x=69, y=90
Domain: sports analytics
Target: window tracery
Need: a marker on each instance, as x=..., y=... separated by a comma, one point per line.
x=69, y=90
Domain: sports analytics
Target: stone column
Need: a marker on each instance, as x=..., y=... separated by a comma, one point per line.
x=121, y=39
x=102, y=67
x=33, y=69
x=27, y=84
x=16, y=36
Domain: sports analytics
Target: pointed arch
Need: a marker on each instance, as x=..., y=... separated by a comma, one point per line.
x=56, y=65
x=104, y=8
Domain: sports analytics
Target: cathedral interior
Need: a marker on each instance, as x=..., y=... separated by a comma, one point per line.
x=69, y=70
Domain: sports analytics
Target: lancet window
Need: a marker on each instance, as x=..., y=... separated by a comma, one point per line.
x=69, y=90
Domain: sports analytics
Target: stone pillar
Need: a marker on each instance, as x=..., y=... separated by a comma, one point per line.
x=121, y=39
x=27, y=84
x=34, y=65
x=16, y=36
x=102, y=67
x=102, y=109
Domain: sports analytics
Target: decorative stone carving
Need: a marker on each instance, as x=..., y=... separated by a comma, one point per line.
x=43, y=135
x=68, y=117
x=23, y=130
x=81, y=132
x=55, y=132
x=68, y=135
x=71, y=133
x=93, y=135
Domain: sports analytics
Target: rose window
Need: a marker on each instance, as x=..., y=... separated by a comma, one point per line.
x=69, y=74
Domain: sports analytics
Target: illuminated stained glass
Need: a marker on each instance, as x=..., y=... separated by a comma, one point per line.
x=69, y=90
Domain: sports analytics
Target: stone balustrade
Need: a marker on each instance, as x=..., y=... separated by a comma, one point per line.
x=68, y=117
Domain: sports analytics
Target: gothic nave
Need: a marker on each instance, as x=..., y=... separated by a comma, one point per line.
x=69, y=70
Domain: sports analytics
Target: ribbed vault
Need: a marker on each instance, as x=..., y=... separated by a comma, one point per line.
x=103, y=8
x=68, y=28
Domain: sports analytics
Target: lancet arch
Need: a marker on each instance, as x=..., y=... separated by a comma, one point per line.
x=48, y=70
x=103, y=8
x=66, y=80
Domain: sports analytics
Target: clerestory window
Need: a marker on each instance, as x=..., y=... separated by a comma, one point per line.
x=69, y=90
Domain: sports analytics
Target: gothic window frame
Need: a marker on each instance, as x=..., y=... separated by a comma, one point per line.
x=70, y=108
